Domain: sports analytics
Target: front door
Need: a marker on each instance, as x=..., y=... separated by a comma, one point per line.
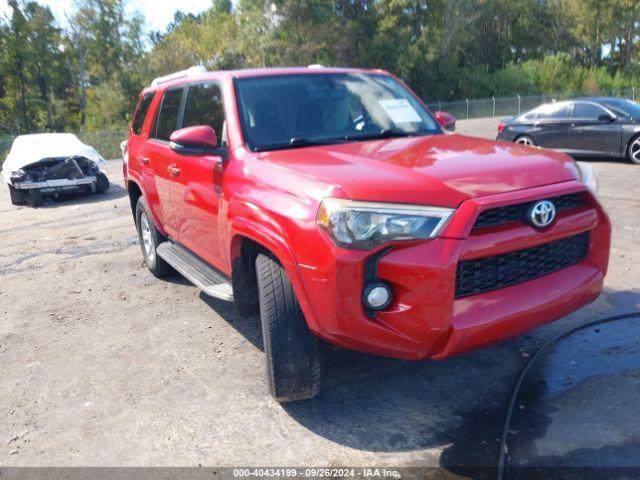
x=595, y=131
x=196, y=199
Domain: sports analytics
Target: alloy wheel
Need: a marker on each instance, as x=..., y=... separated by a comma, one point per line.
x=147, y=238
x=525, y=141
x=634, y=150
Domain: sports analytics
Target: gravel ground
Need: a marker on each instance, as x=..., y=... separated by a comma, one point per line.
x=103, y=364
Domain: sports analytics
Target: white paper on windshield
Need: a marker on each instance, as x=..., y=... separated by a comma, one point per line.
x=400, y=111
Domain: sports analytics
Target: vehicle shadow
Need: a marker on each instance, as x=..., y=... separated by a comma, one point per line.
x=115, y=192
x=622, y=161
x=249, y=327
x=383, y=405
x=577, y=406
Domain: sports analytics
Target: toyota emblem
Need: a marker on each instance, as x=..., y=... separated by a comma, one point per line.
x=542, y=214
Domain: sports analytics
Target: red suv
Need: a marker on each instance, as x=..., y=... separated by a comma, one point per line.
x=331, y=202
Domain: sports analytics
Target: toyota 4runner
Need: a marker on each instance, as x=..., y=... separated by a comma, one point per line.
x=333, y=203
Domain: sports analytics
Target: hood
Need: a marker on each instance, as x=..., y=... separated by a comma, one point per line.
x=440, y=170
x=29, y=149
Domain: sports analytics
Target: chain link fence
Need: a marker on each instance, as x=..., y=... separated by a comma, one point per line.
x=507, y=106
x=106, y=142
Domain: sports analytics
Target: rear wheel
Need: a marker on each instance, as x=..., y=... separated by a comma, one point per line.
x=525, y=140
x=150, y=238
x=18, y=197
x=291, y=349
x=633, y=152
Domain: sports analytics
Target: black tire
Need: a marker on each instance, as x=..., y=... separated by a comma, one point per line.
x=156, y=265
x=17, y=196
x=525, y=140
x=102, y=183
x=633, y=150
x=291, y=349
x=34, y=198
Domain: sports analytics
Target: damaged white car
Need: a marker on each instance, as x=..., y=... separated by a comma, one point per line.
x=51, y=164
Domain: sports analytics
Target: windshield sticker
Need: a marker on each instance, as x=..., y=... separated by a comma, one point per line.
x=400, y=111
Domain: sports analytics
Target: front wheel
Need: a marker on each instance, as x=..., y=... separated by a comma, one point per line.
x=34, y=198
x=102, y=183
x=292, y=350
x=633, y=152
x=525, y=140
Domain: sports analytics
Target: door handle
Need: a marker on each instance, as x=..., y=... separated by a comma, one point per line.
x=143, y=159
x=173, y=170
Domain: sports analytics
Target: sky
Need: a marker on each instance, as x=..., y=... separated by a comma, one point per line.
x=158, y=13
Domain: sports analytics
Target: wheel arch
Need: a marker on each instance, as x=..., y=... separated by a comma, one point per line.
x=135, y=192
x=248, y=240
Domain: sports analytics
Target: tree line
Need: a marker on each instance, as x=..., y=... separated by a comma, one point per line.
x=84, y=72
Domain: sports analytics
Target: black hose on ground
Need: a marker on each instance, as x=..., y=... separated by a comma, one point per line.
x=523, y=374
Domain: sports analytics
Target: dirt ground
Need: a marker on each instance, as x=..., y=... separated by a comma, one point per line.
x=104, y=365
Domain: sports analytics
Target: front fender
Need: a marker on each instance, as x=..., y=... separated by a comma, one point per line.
x=262, y=229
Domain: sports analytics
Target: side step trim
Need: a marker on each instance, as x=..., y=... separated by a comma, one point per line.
x=207, y=278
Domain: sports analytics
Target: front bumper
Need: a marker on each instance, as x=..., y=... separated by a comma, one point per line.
x=53, y=185
x=425, y=318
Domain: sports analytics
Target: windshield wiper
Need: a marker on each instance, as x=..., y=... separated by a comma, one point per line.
x=296, y=142
x=387, y=133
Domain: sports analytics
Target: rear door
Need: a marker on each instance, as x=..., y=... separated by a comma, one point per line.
x=196, y=199
x=553, y=125
x=156, y=156
x=138, y=135
x=595, y=130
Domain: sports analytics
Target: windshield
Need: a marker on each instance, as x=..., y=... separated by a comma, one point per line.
x=624, y=107
x=287, y=111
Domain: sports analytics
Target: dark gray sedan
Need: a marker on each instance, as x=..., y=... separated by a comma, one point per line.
x=585, y=127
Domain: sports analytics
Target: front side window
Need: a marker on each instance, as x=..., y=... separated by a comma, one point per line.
x=625, y=108
x=587, y=110
x=141, y=112
x=167, y=121
x=205, y=107
x=284, y=111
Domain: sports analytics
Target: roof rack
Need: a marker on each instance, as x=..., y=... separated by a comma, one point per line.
x=189, y=72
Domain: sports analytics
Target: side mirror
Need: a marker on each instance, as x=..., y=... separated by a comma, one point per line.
x=605, y=117
x=446, y=120
x=198, y=140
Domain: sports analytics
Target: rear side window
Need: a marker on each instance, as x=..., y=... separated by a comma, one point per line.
x=587, y=110
x=553, y=111
x=141, y=112
x=205, y=107
x=167, y=121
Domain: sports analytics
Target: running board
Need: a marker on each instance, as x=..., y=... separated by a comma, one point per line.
x=197, y=271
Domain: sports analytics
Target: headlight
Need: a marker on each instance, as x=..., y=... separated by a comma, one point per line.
x=364, y=225
x=588, y=176
x=17, y=175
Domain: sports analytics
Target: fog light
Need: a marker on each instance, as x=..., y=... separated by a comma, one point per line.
x=377, y=296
